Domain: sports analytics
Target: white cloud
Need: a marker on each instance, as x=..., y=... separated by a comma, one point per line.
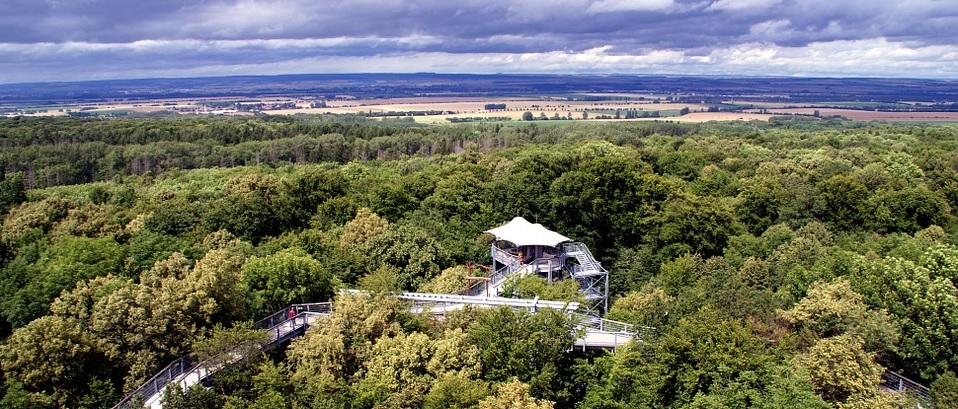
x=608, y=6
x=867, y=57
x=180, y=58
x=771, y=27
x=737, y=5
x=241, y=19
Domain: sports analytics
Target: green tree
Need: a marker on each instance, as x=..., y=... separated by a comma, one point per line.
x=362, y=228
x=219, y=279
x=403, y=369
x=196, y=397
x=236, y=351
x=919, y=300
x=533, y=286
x=521, y=344
x=514, y=395
x=335, y=348
x=416, y=255
x=286, y=277
x=944, y=391
x=701, y=354
x=760, y=202
x=699, y=224
x=603, y=201
x=251, y=208
x=450, y=280
x=175, y=216
x=13, y=191
x=304, y=193
x=833, y=308
x=648, y=306
x=842, y=202
x=17, y=397
x=908, y=210
x=52, y=356
x=221, y=346
x=60, y=267
x=840, y=369
x=717, y=182
x=455, y=392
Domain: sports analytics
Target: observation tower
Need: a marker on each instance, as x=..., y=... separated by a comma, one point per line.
x=527, y=248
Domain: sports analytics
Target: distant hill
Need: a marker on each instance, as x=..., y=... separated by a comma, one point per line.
x=773, y=89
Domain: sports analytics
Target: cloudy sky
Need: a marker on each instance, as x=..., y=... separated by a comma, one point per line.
x=58, y=40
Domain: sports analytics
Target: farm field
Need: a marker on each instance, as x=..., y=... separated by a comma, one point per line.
x=472, y=108
x=475, y=108
x=860, y=115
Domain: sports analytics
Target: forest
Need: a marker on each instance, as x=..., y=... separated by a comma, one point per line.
x=785, y=263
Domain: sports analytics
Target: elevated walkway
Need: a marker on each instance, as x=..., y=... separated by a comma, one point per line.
x=893, y=382
x=597, y=333
x=188, y=371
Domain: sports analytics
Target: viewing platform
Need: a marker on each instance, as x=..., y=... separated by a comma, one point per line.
x=524, y=248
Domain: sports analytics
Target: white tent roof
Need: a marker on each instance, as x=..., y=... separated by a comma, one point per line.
x=522, y=233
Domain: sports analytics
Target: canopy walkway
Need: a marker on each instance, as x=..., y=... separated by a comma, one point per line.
x=595, y=333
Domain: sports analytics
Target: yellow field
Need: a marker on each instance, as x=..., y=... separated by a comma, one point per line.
x=462, y=107
x=861, y=115
x=452, y=107
x=720, y=116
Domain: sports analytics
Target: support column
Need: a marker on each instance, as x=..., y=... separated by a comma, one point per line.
x=605, y=300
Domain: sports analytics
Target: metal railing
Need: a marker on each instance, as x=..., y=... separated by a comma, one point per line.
x=587, y=262
x=280, y=328
x=504, y=256
x=283, y=315
x=426, y=300
x=159, y=381
x=496, y=278
x=604, y=325
x=896, y=382
x=277, y=325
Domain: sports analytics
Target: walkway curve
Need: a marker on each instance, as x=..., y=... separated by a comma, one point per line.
x=599, y=333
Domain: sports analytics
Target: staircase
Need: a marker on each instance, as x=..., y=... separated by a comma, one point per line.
x=588, y=265
x=496, y=279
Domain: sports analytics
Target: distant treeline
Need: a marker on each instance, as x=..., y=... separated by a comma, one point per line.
x=66, y=151
x=459, y=119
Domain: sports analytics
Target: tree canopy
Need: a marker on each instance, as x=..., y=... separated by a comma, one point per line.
x=780, y=263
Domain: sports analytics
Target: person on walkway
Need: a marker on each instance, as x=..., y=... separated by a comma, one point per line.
x=292, y=315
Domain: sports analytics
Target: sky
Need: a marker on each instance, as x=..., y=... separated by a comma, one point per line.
x=67, y=40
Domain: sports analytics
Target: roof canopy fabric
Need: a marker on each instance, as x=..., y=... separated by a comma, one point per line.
x=522, y=233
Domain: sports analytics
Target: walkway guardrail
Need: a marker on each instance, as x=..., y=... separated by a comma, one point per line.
x=600, y=333
x=604, y=325
x=495, y=279
x=159, y=381
x=276, y=324
x=504, y=256
x=896, y=382
x=421, y=300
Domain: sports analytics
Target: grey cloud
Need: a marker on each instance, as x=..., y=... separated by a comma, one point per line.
x=232, y=32
x=685, y=25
